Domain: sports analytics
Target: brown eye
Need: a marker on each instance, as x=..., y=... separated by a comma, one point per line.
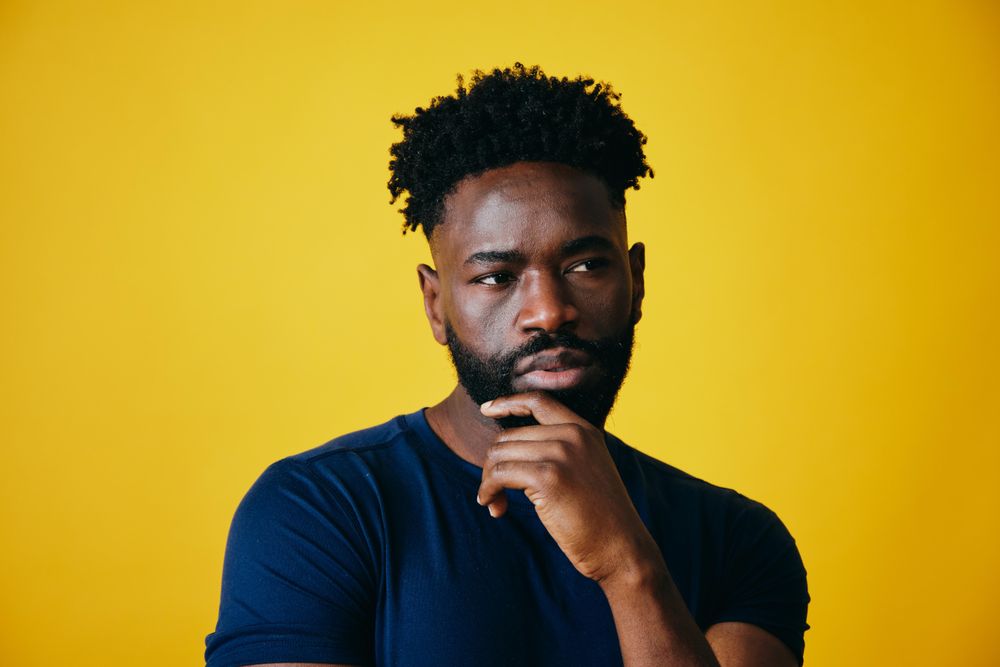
x=587, y=265
x=495, y=279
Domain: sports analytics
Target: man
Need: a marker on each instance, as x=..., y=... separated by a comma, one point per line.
x=504, y=526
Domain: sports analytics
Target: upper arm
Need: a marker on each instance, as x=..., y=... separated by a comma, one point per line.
x=745, y=645
x=765, y=596
x=299, y=580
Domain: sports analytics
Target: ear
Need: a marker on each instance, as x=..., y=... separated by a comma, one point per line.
x=430, y=285
x=637, y=264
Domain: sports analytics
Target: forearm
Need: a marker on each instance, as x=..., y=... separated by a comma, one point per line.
x=653, y=623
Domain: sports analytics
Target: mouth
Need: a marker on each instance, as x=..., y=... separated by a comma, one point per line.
x=551, y=370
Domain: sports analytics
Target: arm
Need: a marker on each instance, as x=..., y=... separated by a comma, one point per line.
x=746, y=645
x=564, y=468
x=653, y=623
x=737, y=644
x=655, y=627
x=298, y=578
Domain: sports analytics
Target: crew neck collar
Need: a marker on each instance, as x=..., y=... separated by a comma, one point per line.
x=469, y=473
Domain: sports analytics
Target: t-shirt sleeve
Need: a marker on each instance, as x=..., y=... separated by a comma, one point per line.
x=764, y=578
x=299, y=580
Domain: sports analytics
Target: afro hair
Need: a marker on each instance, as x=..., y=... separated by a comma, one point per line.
x=511, y=115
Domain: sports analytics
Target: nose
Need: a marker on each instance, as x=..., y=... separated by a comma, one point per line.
x=545, y=306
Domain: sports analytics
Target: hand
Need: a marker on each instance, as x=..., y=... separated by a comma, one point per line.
x=564, y=467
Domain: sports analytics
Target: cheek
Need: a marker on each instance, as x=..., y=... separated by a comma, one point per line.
x=480, y=319
x=606, y=307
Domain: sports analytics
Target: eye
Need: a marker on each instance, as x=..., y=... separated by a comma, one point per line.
x=588, y=265
x=494, y=279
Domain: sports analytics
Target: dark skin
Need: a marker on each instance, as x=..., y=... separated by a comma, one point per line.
x=539, y=247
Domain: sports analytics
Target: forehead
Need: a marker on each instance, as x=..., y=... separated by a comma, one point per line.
x=529, y=206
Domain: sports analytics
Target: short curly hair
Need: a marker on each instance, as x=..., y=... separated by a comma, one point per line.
x=511, y=115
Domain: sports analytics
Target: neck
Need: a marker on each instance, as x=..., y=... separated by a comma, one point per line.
x=459, y=423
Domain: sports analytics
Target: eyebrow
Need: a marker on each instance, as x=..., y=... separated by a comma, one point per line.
x=585, y=243
x=582, y=244
x=494, y=257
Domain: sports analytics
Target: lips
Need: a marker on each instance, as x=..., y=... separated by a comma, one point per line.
x=559, y=368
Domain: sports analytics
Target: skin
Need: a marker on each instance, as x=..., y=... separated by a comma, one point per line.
x=510, y=265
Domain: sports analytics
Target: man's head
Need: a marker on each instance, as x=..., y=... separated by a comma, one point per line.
x=519, y=184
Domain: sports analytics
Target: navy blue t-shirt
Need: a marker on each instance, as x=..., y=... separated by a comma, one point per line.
x=371, y=550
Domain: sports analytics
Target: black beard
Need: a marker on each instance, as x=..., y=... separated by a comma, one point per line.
x=490, y=378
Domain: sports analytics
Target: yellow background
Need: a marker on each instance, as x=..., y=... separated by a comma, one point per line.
x=200, y=274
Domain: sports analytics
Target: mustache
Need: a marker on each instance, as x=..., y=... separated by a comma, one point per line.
x=542, y=342
x=487, y=377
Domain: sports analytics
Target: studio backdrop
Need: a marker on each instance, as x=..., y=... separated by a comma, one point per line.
x=201, y=273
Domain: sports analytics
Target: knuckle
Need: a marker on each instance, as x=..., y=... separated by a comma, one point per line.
x=562, y=450
x=549, y=475
x=508, y=434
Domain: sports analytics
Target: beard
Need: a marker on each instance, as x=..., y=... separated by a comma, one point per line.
x=485, y=379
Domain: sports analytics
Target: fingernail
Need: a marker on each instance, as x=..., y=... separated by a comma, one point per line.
x=492, y=513
x=478, y=499
x=486, y=405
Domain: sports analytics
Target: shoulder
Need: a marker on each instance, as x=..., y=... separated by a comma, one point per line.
x=304, y=557
x=736, y=521
x=339, y=477
x=758, y=576
x=363, y=454
x=676, y=485
x=382, y=436
x=327, y=495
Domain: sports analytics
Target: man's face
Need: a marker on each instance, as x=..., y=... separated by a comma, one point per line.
x=535, y=287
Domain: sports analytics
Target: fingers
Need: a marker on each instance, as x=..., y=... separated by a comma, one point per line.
x=498, y=506
x=528, y=458
x=525, y=450
x=537, y=404
x=500, y=471
x=534, y=477
x=569, y=432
